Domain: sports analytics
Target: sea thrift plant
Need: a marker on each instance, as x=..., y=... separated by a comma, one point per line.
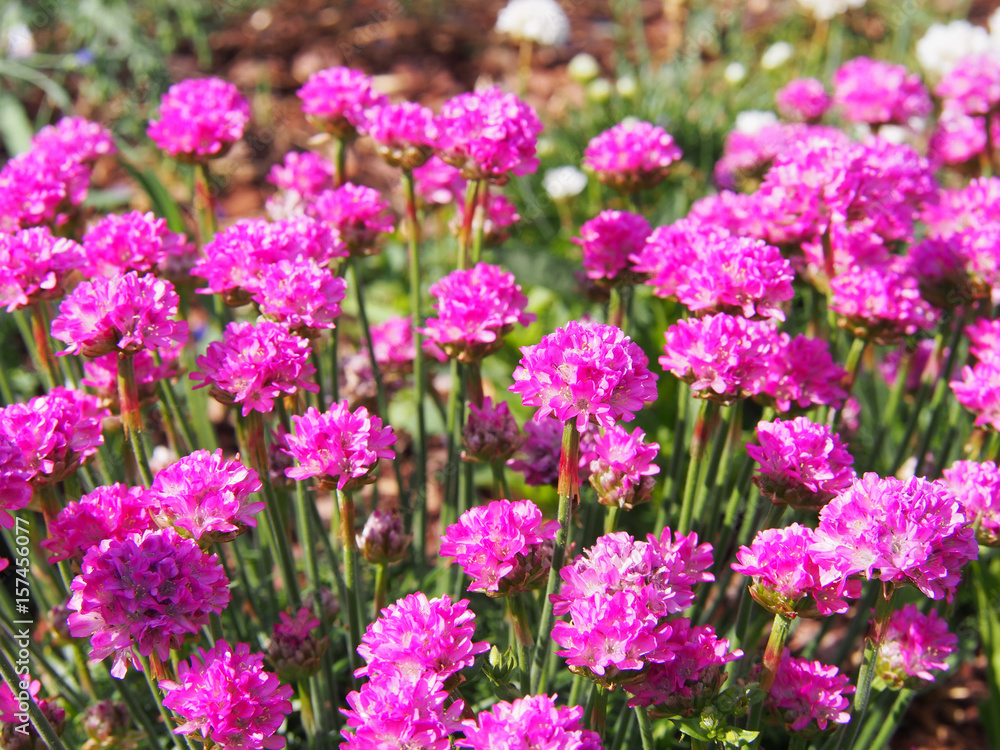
x=802, y=464
x=978, y=390
x=301, y=294
x=404, y=134
x=475, y=309
x=622, y=469
x=357, y=212
x=199, y=118
x=123, y=312
x=302, y=172
x=529, y=722
x=632, y=155
x=972, y=86
x=490, y=433
x=957, y=139
x=34, y=266
x=915, y=646
x=145, y=592
x=802, y=375
x=225, y=695
x=878, y=93
x=809, y=695
x=608, y=241
x=977, y=488
x=136, y=241
x=205, y=497
x=335, y=100
x=382, y=540
x=15, y=490
x=881, y=303
x=339, y=447
x=803, y=100
x=255, y=364
x=296, y=649
x=505, y=547
x=111, y=512
x=585, y=371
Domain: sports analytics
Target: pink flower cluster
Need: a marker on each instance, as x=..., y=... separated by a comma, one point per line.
x=805, y=692
x=976, y=486
x=146, y=591
x=609, y=241
x=438, y=183
x=802, y=375
x=136, y=241
x=336, y=99
x=404, y=133
x=978, y=390
x=225, y=695
x=538, y=458
x=34, y=265
x=490, y=433
x=803, y=100
x=587, y=371
x=199, y=118
x=357, y=212
x=530, y=722
x=747, y=155
x=631, y=156
x=504, y=547
x=879, y=93
x=111, y=512
x=972, y=87
x=622, y=468
x=300, y=294
x=296, y=650
x=914, y=644
x=303, y=172
x=476, y=308
x=976, y=204
x=959, y=137
x=15, y=491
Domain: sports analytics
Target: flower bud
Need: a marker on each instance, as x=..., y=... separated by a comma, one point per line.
x=295, y=651
x=382, y=540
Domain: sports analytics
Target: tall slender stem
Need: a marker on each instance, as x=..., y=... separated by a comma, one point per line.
x=702, y=431
x=339, y=161
x=468, y=213
x=645, y=728
x=673, y=472
x=352, y=578
x=40, y=333
x=158, y=698
x=131, y=413
x=522, y=634
x=38, y=720
x=204, y=203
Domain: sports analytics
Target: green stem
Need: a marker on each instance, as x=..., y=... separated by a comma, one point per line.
x=522, y=634
x=168, y=722
x=673, y=472
x=479, y=221
x=597, y=713
x=352, y=577
x=611, y=519
x=889, y=724
x=468, y=213
x=25, y=327
x=892, y=406
x=702, y=429
x=40, y=332
x=339, y=162
x=38, y=720
x=381, y=588
x=645, y=728
x=204, y=203
x=131, y=414
x=769, y=670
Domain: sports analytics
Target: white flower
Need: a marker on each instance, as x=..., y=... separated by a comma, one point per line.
x=564, y=182
x=735, y=72
x=776, y=55
x=752, y=121
x=627, y=86
x=944, y=45
x=824, y=10
x=583, y=68
x=18, y=43
x=541, y=21
x=599, y=90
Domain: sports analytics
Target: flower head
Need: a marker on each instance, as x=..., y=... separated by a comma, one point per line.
x=111, y=512
x=136, y=241
x=622, y=468
x=977, y=488
x=335, y=99
x=255, y=364
x=504, y=547
x=957, y=138
x=340, y=447
x=881, y=302
x=146, y=591
x=491, y=433
x=15, y=491
x=541, y=21
x=587, y=371
x=438, y=182
x=357, y=212
x=632, y=155
x=530, y=722
x=538, y=458
x=802, y=375
x=305, y=173
x=301, y=294
x=972, y=86
x=404, y=133
x=978, y=390
x=803, y=100
x=125, y=313
x=913, y=645
x=805, y=692
x=877, y=92
x=609, y=240
x=34, y=264
x=382, y=539
x=296, y=649
x=224, y=694
x=199, y=118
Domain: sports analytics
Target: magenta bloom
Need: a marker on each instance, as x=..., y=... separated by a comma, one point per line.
x=490, y=433
x=789, y=579
x=735, y=212
x=877, y=92
x=336, y=99
x=54, y=433
x=475, y=307
x=15, y=491
x=608, y=242
x=404, y=133
x=302, y=172
x=802, y=464
x=585, y=371
x=686, y=683
x=340, y=447
x=136, y=241
x=978, y=390
x=503, y=546
x=416, y=635
x=972, y=86
x=881, y=302
x=301, y=294
x=199, y=118
x=631, y=156
x=489, y=135
x=809, y=691
x=530, y=722
x=127, y=313
x=392, y=340
x=622, y=469
x=146, y=591
x=957, y=138
x=669, y=250
x=723, y=357
x=538, y=458
x=296, y=650
x=224, y=694
x=34, y=265
x=205, y=498
x=79, y=139
x=438, y=182
x=898, y=532
x=357, y=212
x=984, y=339
x=913, y=645
x=976, y=486
x=803, y=100
x=398, y=709
x=976, y=204
x=111, y=512
x=255, y=364
x=803, y=375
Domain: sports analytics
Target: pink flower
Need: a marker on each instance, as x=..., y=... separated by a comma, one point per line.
x=304, y=173
x=80, y=139
x=296, y=649
x=539, y=453
x=503, y=546
x=489, y=135
x=976, y=486
x=339, y=446
x=438, y=182
x=404, y=133
x=135, y=241
x=789, y=579
x=393, y=343
x=735, y=212
x=609, y=241
x=34, y=265
x=898, y=532
x=127, y=313
x=15, y=491
x=357, y=212
x=984, y=339
x=490, y=433
x=622, y=469
x=802, y=464
x=224, y=694
x=689, y=681
x=382, y=540
x=976, y=204
x=18, y=733
x=54, y=433
x=205, y=498
x=111, y=512
x=416, y=635
x=530, y=722
x=669, y=250
x=803, y=375
x=199, y=118
x=587, y=371
x=844, y=249
x=336, y=99
x=722, y=357
x=978, y=390
x=972, y=86
x=877, y=92
x=891, y=364
x=301, y=294
x=809, y=691
x=146, y=591
x=913, y=645
x=957, y=138
x=632, y=155
x=476, y=308
x=803, y=100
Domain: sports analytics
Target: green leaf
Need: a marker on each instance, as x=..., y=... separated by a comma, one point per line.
x=15, y=127
x=53, y=90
